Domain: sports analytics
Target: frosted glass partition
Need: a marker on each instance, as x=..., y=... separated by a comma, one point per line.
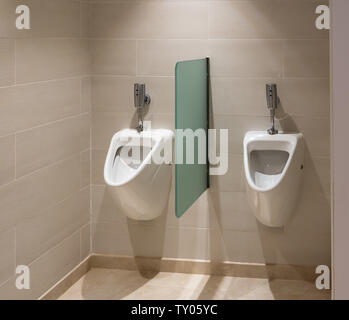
x=192, y=112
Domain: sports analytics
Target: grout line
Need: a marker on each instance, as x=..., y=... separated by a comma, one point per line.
x=90, y=222
x=15, y=62
x=283, y=69
x=132, y=76
x=60, y=37
x=70, y=157
x=45, y=81
x=15, y=249
x=204, y=38
x=6, y=281
x=80, y=19
x=15, y=156
x=137, y=48
x=150, y=76
x=51, y=122
x=275, y=77
x=81, y=95
x=208, y=20
x=80, y=247
x=54, y=247
x=91, y=200
x=102, y=112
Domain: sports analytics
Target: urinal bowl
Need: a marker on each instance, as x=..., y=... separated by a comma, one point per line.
x=273, y=166
x=140, y=189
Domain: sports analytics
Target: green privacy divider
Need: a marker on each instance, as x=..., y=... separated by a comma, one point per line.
x=192, y=112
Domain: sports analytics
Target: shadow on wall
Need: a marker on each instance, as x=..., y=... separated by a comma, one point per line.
x=313, y=208
x=147, y=240
x=114, y=233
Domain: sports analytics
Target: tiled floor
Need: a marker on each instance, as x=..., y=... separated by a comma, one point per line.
x=111, y=284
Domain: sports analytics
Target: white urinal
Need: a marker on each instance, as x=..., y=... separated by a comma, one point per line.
x=273, y=169
x=137, y=174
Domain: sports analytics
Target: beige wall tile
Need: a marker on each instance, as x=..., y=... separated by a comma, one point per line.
x=242, y=19
x=308, y=248
x=7, y=9
x=26, y=197
x=23, y=107
x=106, y=124
x=159, y=57
x=7, y=62
x=200, y=215
x=85, y=168
x=98, y=160
x=114, y=20
x=316, y=133
x=113, y=93
x=318, y=174
x=36, y=104
x=111, y=238
x=305, y=102
x=40, y=57
x=44, y=59
x=7, y=255
x=46, y=270
x=264, y=19
x=162, y=93
x=104, y=208
x=233, y=180
x=37, y=235
x=7, y=159
x=246, y=58
x=175, y=20
x=238, y=246
x=7, y=121
x=147, y=239
x=233, y=211
x=238, y=126
x=163, y=121
x=186, y=243
x=233, y=96
x=114, y=57
x=313, y=209
x=85, y=18
x=306, y=58
x=86, y=94
x=149, y=20
x=56, y=263
x=116, y=93
x=46, y=18
x=85, y=238
x=44, y=145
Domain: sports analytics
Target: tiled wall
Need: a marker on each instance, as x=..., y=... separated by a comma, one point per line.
x=44, y=143
x=46, y=95
x=250, y=43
